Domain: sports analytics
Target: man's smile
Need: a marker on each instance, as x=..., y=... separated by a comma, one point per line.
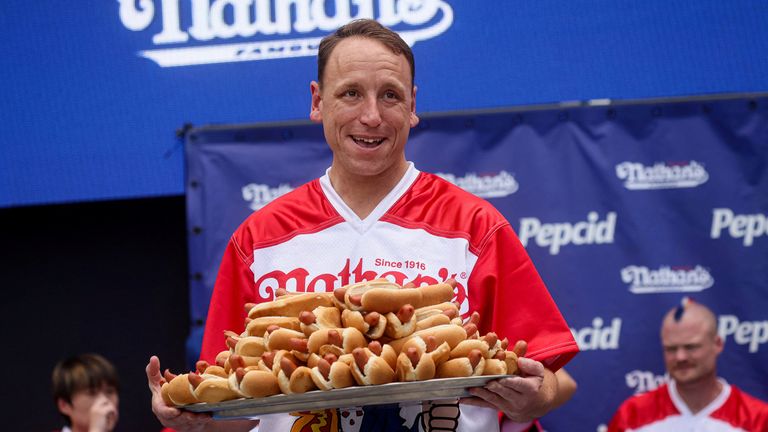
x=367, y=142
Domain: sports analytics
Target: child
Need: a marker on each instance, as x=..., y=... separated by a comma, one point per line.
x=85, y=391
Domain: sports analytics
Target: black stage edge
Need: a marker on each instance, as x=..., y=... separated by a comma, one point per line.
x=108, y=277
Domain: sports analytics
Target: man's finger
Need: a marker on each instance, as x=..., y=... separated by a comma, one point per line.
x=529, y=367
x=153, y=374
x=508, y=387
x=491, y=398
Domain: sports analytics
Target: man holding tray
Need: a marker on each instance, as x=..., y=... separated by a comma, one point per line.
x=373, y=214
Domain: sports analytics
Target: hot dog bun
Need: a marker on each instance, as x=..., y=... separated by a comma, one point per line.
x=319, y=318
x=291, y=305
x=370, y=369
x=385, y=300
x=283, y=339
x=212, y=388
x=339, y=375
x=258, y=326
x=450, y=333
x=345, y=338
x=402, y=323
x=371, y=324
x=180, y=391
x=253, y=383
x=462, y=367
x=353, y=293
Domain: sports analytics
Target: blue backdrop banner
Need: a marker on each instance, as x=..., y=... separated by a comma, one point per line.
x=92, y=91
x=623, y=209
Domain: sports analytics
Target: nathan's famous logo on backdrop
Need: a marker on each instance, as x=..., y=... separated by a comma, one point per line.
x=259, y=195
x=599, y=336
x=644, y=381
x=662, y=175
x=556, y=235
x=751, y=333
x=747, y=226
x=485, y=186
x=192, y=31
x=666, y=279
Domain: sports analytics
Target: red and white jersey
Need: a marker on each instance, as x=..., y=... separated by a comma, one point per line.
x=663, y=410
x=424, y=231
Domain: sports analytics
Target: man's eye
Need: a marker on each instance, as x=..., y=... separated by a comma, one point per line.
x=350, y=93
x=390, y=95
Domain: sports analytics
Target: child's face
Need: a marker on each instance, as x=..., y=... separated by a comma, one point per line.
x=92, y=407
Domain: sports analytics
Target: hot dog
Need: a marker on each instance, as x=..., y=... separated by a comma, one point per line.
x=179, y=391
x=371, y=324
x=278, y=338
x=494, y=366
x=466, y=346
x=386, y=299
x=294, y=379
x=354, y=293
x=291, y=305
x=330, y=374
x=346, y=339
x=402, y=323
x=472, y=365
x=370, y=369
x=450, y=333
x=319, y=318
x=211, y=388
x=258, y=326
x=251, y=346
x=449, y=309
x=253, y=383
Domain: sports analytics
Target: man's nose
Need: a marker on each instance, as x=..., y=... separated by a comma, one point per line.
x=681, y=353
x=370, y=114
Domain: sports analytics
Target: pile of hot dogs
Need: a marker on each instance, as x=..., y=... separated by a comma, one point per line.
x=369, y=333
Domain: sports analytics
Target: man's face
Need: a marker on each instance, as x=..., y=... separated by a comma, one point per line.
x=367, y=105
x=690, y=349
x=92, y=405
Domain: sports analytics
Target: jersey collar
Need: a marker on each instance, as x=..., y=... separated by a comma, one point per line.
x=362, y=225
x=709, y=409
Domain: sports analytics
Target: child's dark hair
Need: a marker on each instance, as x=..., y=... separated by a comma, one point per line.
x=82, y=372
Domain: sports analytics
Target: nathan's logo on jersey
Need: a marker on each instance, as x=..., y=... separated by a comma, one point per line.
x=485, y=186
x=259, y=195
x=598, y=336
x=556, y=235
x=644, y=381
x=752, y=333
x=747, y=227
x=665, y=279
x=300, y=280
x=662, y=175
x=191, y=32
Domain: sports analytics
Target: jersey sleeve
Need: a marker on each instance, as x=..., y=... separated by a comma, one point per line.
x=619, y=421
x=513, y=302
x=232, y=289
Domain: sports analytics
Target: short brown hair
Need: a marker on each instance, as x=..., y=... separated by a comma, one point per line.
x=82, y=372
x=365, y=28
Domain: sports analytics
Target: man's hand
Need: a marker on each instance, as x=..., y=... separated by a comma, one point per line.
x=182, y=421
x=521, y=398
x=186, y=421
x=103, y=415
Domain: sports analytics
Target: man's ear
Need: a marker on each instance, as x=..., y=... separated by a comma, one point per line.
x=414, y=120
x=719, y=344
x=315, y=113
x=64, y=407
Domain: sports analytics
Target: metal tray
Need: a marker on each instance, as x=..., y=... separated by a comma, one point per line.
x=400, y=392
